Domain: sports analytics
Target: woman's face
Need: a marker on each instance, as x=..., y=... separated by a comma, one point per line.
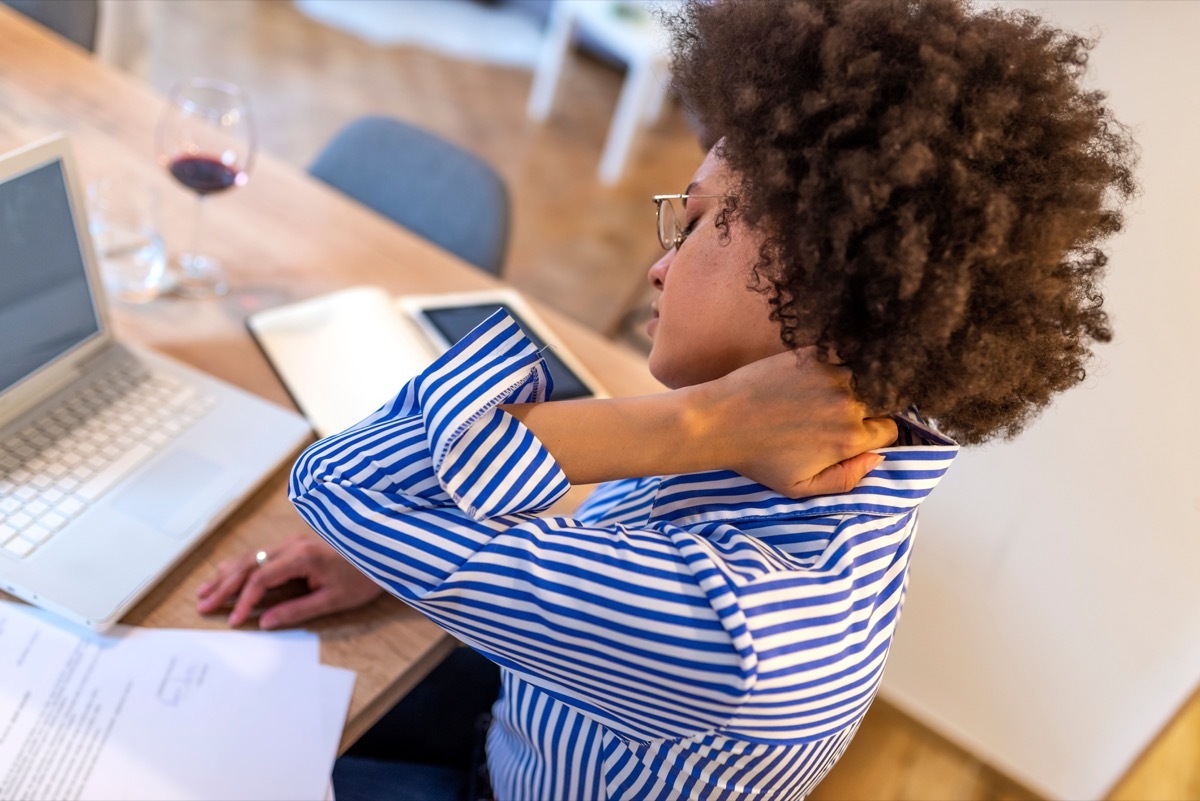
x=707, y=321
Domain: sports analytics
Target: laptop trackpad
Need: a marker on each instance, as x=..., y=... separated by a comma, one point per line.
x=175, y=494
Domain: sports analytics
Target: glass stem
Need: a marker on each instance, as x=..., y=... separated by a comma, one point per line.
x=197, y=227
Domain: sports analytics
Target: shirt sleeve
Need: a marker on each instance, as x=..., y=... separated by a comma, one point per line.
x=436, y=496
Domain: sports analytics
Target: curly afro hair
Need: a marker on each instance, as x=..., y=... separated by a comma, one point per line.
x=932, y=184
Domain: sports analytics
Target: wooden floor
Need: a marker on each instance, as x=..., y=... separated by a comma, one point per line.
x=577, y=245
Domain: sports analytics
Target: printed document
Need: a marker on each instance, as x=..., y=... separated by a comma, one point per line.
x=164, y=714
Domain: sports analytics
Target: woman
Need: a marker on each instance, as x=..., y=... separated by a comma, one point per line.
x=901, y=211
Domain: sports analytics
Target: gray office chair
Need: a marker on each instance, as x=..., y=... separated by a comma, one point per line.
x=424, y=183
x=72, y=19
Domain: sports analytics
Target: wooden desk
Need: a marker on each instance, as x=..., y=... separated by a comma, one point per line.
x=282, y=238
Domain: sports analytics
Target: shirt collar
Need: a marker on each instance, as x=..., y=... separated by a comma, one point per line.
x=898, y=485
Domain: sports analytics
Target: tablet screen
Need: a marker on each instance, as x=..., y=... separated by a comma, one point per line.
x=455, y=322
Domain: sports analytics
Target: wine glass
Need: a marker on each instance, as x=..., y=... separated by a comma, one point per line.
x=206, y=140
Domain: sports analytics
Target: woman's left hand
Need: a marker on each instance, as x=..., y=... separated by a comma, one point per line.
x=334, y=585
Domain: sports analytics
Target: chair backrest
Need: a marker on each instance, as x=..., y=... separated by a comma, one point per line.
x=73, y=19
x=421, y=181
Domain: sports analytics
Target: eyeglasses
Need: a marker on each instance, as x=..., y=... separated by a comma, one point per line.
x=670, y=235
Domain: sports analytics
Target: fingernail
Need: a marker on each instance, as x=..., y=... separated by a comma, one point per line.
x=204, y=588
x=235, y=619
x=879, y=459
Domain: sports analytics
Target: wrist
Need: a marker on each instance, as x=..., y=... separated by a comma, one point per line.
x=601, y=440
x=683, y=430
x=705, y=424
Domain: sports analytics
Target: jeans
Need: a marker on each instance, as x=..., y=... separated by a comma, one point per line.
x=429, y=747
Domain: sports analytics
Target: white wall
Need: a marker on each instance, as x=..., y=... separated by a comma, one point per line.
x=1053, y=616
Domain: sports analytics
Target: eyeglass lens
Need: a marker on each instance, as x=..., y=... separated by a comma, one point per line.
x=668, y=228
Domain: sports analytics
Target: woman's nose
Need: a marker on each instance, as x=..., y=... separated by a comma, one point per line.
x=658, y=271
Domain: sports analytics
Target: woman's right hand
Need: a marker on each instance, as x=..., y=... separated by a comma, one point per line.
x=791, y=422
x=334, y=585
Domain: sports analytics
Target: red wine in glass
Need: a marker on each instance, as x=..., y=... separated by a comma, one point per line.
x=206, y=141
x=204, y=175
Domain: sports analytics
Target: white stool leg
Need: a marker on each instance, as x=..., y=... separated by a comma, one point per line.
x=549, y=66
x=634, y=93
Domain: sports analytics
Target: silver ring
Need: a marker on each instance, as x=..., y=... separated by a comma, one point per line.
x=260, y=558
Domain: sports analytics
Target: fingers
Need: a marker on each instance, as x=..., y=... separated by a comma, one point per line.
x=841, y=477
x=881, y=432
x=246, y=581
x=274, y=572
x=831, y=367
x=231, y=575
x=297, y=610
x=852, y=436
x=300, y=566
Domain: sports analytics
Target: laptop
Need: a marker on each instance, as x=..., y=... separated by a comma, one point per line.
x=114, y=461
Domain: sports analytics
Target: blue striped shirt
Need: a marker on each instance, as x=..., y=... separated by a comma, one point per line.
x=692, y=636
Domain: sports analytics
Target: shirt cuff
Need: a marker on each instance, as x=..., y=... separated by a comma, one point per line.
x=487, y=461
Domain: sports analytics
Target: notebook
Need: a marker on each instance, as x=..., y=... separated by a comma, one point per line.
x=344, y=354
x=114, y=461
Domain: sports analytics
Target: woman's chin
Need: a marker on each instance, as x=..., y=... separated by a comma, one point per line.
x=665, y=371
x=655, y=365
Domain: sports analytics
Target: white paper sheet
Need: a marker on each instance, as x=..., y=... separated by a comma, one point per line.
x=164, y=714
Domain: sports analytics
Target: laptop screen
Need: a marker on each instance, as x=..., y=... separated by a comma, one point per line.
x=46, y=307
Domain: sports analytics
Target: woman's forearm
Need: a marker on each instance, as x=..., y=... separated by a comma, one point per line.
x=780, y=421
x=605, y=440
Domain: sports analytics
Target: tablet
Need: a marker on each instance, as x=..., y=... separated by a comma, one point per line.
x=447, y=318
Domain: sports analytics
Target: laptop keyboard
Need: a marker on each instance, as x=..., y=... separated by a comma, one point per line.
x=53, y=469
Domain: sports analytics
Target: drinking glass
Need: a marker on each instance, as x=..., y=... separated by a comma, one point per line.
x=123, y=221
x=206, y=140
